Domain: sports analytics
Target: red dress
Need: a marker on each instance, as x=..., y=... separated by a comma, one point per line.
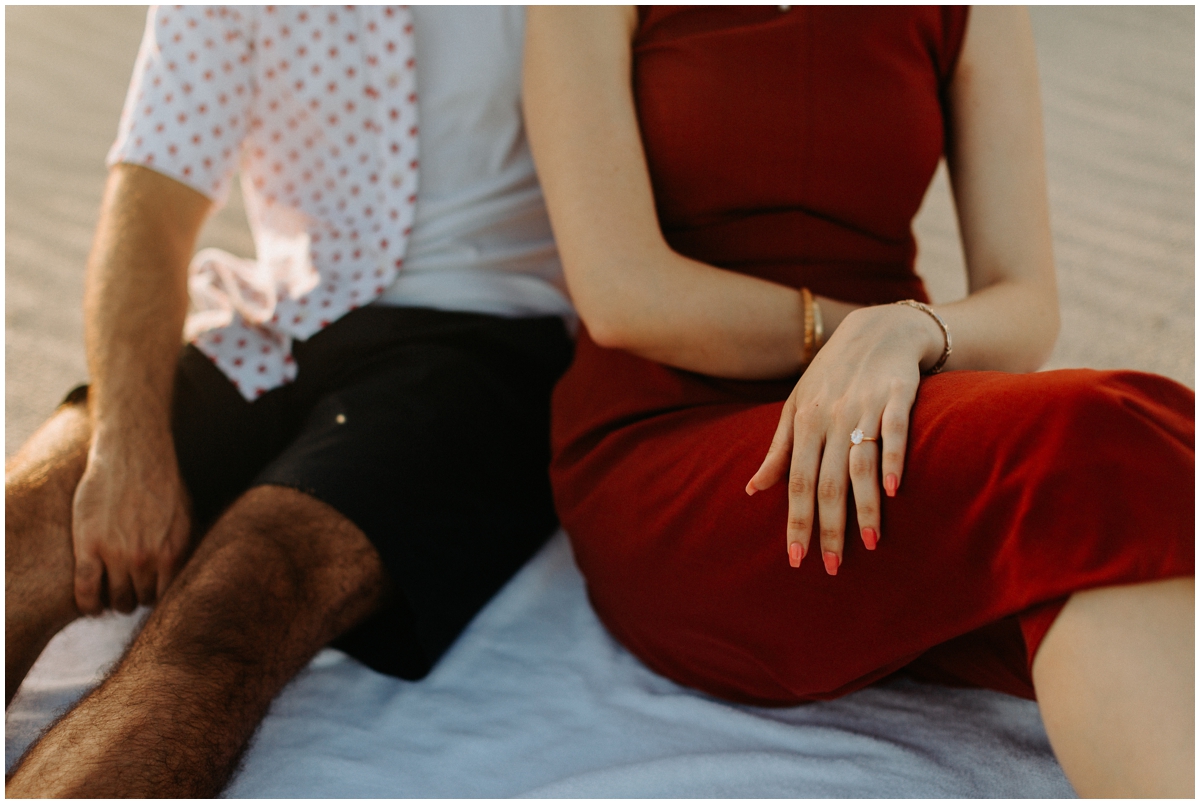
x=797, y=146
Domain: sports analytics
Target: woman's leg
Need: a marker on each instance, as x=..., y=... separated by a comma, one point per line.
x=1115, y=680
x=1019, y=490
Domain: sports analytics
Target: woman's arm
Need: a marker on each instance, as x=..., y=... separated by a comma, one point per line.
x=631, y=290
x=1009, y=320
x=865, y=376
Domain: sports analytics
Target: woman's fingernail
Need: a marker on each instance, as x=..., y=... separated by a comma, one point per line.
x=750, y=487
x=832, y=562
x=870, y=538
x=890, y=484
x=795, y=553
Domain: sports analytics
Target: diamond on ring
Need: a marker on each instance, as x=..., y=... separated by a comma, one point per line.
x=857, y=438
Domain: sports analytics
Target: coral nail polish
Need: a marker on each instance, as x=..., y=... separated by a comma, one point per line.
x=890, y=484
x=870, y=538
x=832, y=562
x=795, y=553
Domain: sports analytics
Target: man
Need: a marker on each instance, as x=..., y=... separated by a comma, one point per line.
x=353, y=445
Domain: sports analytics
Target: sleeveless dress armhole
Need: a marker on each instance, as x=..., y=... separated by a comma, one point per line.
x=954, y=33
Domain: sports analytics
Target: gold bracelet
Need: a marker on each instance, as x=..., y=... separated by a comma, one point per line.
x=818, y=327
x=810, y=327
x=925, y=308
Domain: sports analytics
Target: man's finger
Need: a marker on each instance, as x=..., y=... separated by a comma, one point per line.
x=144, y=577
x=120, y=586
x=174, y=552
x=166, y=572
x=89, y=574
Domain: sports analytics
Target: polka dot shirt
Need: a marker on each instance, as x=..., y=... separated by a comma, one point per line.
x=317, y=108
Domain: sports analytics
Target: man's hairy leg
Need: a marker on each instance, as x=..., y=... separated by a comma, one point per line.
x=39, y=562
x=278, y=576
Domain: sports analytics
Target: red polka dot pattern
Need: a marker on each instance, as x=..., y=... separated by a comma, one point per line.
x=317, y=108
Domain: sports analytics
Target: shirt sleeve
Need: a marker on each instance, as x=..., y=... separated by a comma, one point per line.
x=189, y=101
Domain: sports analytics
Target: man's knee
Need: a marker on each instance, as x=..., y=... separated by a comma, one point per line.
x=278, y=560
x=39, y=487
x=313, y=542
x=54, y=455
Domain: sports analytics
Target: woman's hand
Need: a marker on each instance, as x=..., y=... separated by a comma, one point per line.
x=865, y=378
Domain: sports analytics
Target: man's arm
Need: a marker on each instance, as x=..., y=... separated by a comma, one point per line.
x=130, y=518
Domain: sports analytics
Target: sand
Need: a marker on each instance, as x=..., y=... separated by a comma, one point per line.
x=1118, y=87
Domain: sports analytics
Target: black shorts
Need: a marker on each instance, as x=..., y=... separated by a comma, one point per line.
x=429, y=430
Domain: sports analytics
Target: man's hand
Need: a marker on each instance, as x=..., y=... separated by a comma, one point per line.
x=130, y=519
x=130, y=522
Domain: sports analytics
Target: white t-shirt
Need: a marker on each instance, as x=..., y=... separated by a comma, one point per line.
x=319, y=107
x=481, y=240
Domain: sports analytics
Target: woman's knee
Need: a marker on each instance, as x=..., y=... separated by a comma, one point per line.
x=1124, y=428
x=1126, y=403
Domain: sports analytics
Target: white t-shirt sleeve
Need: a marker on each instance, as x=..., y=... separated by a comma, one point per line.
x=189, y=104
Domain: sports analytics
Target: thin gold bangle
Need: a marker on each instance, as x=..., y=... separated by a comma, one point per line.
x=925, y=308
x=818, y=327
x=810, y=327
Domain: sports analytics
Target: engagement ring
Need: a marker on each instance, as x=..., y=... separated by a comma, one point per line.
x=857, y=438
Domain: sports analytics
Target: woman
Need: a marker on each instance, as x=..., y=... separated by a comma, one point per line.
x=732, y=192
